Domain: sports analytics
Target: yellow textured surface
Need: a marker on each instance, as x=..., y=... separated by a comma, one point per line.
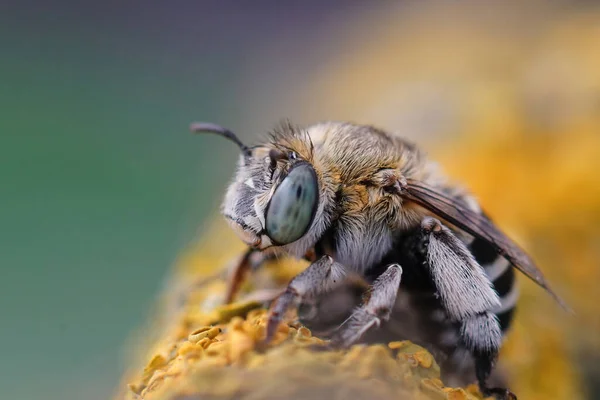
x=206, y=350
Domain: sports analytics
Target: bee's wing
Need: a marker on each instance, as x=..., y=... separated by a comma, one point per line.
x=477, y=225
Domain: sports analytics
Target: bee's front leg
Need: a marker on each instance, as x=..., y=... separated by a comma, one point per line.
x=237, y=275
x=252, y=259
x=319, y=277
x=376, y=308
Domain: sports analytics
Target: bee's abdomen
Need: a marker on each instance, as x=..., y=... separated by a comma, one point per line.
x=502, y=275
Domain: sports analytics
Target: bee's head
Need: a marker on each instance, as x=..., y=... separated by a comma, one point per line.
x=277, y=198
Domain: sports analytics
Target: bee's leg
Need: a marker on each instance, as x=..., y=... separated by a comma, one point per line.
x=376, y=308
x=467, y=295
x=252, y=259
x=481, y=334
x=239, y=272
x=317, y=278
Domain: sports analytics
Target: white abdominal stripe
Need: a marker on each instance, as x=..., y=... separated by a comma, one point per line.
x=502, y=275
x=497, y=268
x=508, y=301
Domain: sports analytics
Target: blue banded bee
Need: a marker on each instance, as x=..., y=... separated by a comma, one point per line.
x=355, y=200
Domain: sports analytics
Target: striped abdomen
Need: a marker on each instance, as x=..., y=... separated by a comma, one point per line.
x=502, y=275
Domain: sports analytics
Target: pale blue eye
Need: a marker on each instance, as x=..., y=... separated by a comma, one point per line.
x=293, y=205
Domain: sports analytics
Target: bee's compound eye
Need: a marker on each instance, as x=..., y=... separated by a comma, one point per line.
x=293, y=205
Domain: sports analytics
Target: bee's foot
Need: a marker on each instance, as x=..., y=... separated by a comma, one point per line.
x=499, y=393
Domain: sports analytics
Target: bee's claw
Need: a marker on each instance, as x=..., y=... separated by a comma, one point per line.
x=499, y=393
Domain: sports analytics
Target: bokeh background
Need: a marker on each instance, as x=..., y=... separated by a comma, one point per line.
x=103, y=187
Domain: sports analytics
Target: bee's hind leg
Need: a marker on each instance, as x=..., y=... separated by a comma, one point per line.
x=319, y=277
x=467, y=296
x=376, y=308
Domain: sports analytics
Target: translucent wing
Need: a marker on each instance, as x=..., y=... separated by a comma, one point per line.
x=477, y=225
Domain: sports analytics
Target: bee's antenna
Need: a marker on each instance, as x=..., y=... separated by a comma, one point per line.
x=199, y=127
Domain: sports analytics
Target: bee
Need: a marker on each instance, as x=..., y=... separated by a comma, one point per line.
x=356, y=200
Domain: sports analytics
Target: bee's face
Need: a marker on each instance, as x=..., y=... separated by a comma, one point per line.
x=274, y=198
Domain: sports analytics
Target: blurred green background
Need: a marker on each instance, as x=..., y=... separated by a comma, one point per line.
x=103, y=186
x=102, y=183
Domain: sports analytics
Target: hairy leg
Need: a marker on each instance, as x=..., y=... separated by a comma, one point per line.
x=317, y=278
x=376, y=308
x=251, y=259
x=467, y=295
